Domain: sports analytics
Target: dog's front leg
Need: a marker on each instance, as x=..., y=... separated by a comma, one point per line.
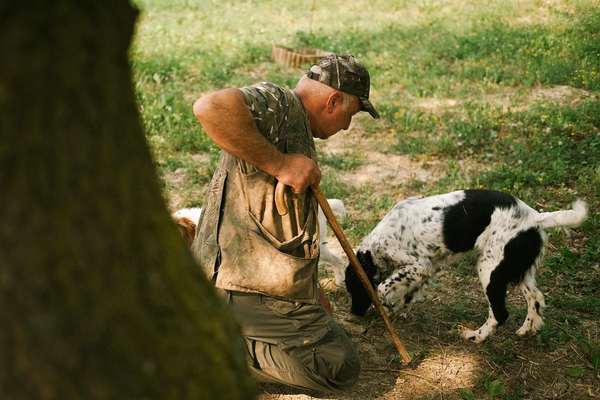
x=334, y=261
x=401, y=287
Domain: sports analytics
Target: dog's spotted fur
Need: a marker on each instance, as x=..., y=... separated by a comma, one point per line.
x=417, y=237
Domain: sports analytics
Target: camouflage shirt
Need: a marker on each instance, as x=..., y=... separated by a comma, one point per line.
x=243, y=243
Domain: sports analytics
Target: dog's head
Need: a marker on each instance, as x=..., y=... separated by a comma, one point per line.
x=360, y=298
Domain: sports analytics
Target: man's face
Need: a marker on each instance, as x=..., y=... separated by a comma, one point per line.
x=340, y=118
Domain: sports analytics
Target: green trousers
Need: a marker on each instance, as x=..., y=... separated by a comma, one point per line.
x=294, y=343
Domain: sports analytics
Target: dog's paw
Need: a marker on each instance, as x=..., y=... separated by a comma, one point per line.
x=530, y=326
x=473, y=336
x=526, y=331
x=389, y=310
x=523, y=331
x=340, y=277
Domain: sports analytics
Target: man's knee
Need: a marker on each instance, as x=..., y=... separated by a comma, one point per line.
x=347, y=374
x=330, y=355
x=345, y=369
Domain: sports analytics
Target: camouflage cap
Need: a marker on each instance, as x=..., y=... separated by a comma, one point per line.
x=347, y=74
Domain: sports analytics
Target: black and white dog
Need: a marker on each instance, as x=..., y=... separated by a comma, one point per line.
x=417, y=236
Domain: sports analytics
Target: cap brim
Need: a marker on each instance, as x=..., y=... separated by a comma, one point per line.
x=368, y=107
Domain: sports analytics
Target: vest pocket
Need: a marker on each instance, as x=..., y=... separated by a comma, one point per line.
x=294, y=233
x=261, y=267
x=263, y=251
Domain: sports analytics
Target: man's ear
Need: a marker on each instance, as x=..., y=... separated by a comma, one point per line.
x=334, y=100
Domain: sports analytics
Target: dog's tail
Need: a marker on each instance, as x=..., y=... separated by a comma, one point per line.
x=571, y=218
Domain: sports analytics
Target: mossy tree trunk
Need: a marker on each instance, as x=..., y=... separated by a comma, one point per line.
x=99, y=296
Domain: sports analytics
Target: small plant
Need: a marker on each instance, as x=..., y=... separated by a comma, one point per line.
x=495, y=390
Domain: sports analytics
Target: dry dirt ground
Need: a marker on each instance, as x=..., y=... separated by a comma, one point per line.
x=430, y=331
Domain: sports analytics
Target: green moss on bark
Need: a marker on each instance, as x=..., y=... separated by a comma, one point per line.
x=99, y=296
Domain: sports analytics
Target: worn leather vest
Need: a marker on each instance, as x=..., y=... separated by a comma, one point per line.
x=242, y=242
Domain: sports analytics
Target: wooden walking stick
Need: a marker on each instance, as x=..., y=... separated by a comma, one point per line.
x=322, y=200
x=359, y=270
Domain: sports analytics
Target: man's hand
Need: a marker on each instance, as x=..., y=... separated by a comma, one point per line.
x=298, y=172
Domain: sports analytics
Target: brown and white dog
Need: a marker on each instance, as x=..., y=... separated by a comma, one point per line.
x=412, y=242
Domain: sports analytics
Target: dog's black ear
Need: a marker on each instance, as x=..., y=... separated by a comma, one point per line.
x=360, y=298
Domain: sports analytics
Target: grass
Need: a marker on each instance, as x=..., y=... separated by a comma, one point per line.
x=510, y=86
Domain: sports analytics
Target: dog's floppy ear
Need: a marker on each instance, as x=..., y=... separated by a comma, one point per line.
x=187, y=228
x=360, y=298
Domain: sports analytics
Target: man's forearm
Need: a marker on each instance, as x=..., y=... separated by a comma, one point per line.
x=229, y=123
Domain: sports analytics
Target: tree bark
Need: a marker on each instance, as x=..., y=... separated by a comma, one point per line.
x=100, y=298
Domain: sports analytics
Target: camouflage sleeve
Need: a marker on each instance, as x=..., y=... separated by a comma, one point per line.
x=267, y=104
